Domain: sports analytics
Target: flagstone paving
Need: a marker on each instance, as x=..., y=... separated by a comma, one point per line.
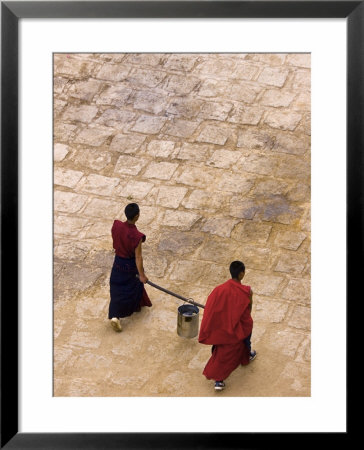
x=215, y=148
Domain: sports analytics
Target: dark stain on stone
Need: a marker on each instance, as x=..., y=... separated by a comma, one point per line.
x=77, y=277
x=275, y=206
x=180, y=242
x=102, y=259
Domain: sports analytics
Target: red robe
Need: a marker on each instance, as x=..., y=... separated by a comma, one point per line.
x=226, y=322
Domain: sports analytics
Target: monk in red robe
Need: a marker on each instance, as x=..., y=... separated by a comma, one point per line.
x=127, y=292
x=227, y=325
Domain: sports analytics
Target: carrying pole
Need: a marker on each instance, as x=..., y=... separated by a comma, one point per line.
x=174, y=295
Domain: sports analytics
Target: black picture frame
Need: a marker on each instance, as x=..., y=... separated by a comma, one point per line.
x=11, y=12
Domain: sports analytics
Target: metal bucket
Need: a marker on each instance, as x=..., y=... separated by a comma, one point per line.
x=187, y=321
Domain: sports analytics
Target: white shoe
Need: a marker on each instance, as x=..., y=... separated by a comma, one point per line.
x=219, y=385
x=253, y=355
x=115, y=323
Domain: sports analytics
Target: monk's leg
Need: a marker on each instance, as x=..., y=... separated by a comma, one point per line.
x=247, y=342
x=252, y=353
x=224, y=359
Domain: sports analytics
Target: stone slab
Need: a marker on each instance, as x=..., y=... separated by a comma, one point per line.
x=135, y=189
x=223, y=159
x=170, y=196
x=193, y=152
x=180, y=242
x=219, y=249
x=114, y=95
x=60, y=152
x=277, y=98
x=72, y=250
x=270, y=311
x=243, y=208
x=149, y=124
x=92, y=158
x=126, y=143
x=214, y=134
x=78, y=278
x=118, y=118
x=261, y=283
x=69, y=226
x=219, y=226
x=85, y=90
x=215, y=110
x=155, y=265
x=161, y=148
x=290, y=240
x=160, y=170
x=291, y=263
x=180, y=128
x=84, y=339
x=68, y=201
x=81, y=113
x=200, y=199
x=184, y=108
x=274, y=76
x=253, y=257
x=283, y=120
x=246, y=115
x=186, y=270
x=93, y=136
x=298, y=290
x=287, y=342
x=277, y=209
x=102, y=208
x=243, y=92
x=252, y=232
x=73, y=67
x=140, y=77
x=302, y=80
x=113, y=72
x=66, y=177
x=196, y=176
x=98, y=184
x=181, y=62
x=180, y=219
x=91, y=307
x=300, y=318
x=181, y=85
x=235, y=182
x=259, y=164
x=129, y=165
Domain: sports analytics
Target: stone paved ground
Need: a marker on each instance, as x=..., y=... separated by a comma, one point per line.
x=215, y=148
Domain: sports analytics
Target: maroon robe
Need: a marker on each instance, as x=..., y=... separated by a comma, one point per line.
x=126, y=237
x=226, y=322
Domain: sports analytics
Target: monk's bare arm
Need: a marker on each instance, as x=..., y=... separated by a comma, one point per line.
x=251, y=299
x=139, y=263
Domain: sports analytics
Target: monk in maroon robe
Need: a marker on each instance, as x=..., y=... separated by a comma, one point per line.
x=127, y=292
x=227, y=325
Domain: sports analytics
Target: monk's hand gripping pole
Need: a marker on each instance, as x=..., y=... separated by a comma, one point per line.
x=174, y=295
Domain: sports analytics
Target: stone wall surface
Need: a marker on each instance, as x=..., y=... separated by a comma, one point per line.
x=215, y=148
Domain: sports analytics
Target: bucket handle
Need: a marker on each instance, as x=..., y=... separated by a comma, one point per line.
x=189, y=300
